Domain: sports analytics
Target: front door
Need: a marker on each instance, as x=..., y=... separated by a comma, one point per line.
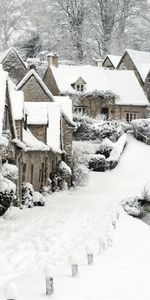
x=105, y=112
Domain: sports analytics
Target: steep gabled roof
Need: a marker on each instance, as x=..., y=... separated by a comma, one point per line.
x=114, y=60
x=141, y=61
x=79, y=79
x=3, y=55
x=38, y=79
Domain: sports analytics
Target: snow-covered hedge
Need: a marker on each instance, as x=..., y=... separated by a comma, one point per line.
x=108, y=155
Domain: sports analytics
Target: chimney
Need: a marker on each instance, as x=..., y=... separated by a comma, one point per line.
x=52, y=60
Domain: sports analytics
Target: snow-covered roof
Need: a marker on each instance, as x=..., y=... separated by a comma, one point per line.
x=17, y=102
x=65, y=104
x=127, y=87
x=37, y=113
x=3, y=82
x=141, y=60
x=122, y=83
x=32, y=143
x=114, y=59
x=53, y=130
x=46, y=113
x=4, y=54
x=39, y=80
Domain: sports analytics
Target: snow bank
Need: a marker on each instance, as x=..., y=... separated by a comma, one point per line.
x=118, y=148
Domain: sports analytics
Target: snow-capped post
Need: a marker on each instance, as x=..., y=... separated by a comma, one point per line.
x=102, y=244
x=74, y=264
x=89, y=252
x=49, y=281
x=11, y=291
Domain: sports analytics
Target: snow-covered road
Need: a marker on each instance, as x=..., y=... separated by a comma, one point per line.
x=32, y=237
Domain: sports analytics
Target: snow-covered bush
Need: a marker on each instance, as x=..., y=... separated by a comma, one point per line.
x=7, y=194
x=105, y=148
x=97, y=163
x=64, y=170
x=141, y=128
x=133, y=207
x=10, y=171
x=138, y=206
x=95, y=129
x=27, y=194
x=80, y=175
x=38, y=199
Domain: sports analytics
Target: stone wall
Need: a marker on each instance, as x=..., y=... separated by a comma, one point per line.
x=147, y=86
x=67, y=137
x=33, y=92
x=50, y=82
x=37, y=166
x=14, y=66
x=39, y=131
x=94, y=106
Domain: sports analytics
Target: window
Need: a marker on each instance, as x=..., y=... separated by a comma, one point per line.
x=131, y=116
x=80, y=87
x=81, y=110
x=24, y=172
x=32, y=170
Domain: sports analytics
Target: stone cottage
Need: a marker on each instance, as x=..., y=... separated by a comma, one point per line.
x=111, y=62
x=49, y=130
x=115, y=94
x=13, y=64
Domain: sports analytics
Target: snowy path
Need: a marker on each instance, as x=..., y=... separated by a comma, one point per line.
x=70, y=220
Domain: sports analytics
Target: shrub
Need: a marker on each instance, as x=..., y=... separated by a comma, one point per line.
x=10, y=171
x=7, y=194
x=97, y=163
x=27, y=195
x=38, y=199
x=80, y=175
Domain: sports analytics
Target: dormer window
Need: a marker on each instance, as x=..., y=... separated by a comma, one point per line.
x=79, y=85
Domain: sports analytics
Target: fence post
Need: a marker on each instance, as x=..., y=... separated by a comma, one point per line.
x=49, y=281
x=74, y=265
x=89, y=252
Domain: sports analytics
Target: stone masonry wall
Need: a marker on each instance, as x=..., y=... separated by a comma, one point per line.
x=33, y=91
x=39, y=131
x=15, y=68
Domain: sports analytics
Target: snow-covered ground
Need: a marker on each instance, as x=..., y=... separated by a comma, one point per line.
x=31, y=238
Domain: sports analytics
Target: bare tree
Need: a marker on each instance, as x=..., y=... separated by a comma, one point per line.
x=12, y=14
x=75, y=12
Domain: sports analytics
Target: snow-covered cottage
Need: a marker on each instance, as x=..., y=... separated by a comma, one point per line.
x=111, y=62
x=115, y=94
x=48, y=136
x=13, y=64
